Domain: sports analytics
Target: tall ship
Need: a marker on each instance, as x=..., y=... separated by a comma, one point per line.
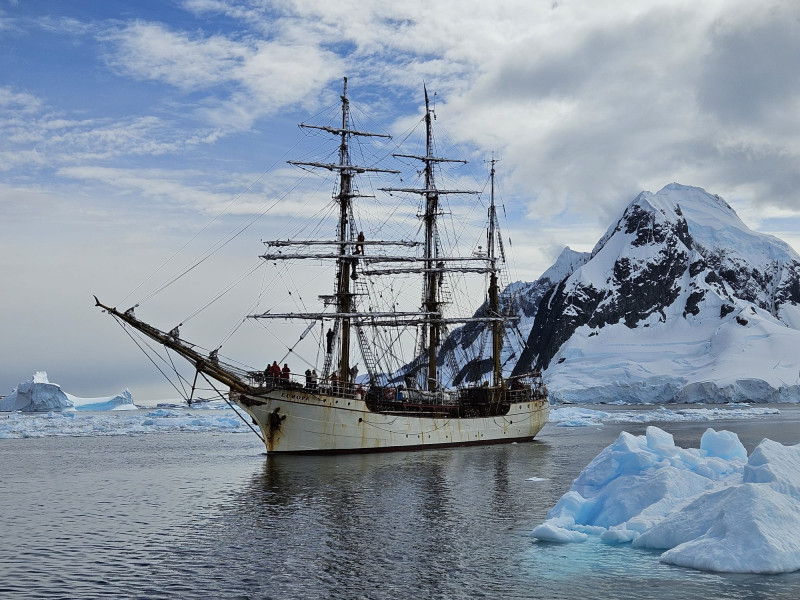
x=399, y=403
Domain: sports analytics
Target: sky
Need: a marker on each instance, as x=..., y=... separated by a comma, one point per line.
x=134, y=136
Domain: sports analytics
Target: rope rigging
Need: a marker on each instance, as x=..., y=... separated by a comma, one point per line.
x=391, y=213
x=226, y=210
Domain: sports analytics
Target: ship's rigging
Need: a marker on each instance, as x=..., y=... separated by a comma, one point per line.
x=399, y=403
x=353, y=261
x=354, y=314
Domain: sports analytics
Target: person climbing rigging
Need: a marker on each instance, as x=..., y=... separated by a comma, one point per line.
x=329, y=337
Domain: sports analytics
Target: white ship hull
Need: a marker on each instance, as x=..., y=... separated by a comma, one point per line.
x=297, y=421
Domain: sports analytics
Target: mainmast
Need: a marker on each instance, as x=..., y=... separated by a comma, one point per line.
x=434, y=266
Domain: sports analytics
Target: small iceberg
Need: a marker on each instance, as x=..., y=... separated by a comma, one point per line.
x=39, y=395
x=711, y=509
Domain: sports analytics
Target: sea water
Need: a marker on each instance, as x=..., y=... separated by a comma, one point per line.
x=207, y=515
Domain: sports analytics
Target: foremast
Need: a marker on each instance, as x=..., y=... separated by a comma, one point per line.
x=344, y=264
x=346, y=242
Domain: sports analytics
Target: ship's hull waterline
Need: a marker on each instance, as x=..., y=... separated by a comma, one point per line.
x=301, y=422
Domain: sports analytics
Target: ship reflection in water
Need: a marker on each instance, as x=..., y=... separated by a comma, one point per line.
x=383, y=525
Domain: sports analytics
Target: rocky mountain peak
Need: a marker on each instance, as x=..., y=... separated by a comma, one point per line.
x=677, y=260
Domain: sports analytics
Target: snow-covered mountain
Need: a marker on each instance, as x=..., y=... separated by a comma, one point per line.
x=679, y=301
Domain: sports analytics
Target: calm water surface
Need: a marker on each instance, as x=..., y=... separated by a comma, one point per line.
x=203, y=515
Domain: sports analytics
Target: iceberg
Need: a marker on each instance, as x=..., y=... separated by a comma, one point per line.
x=76, y=423
x=39, y=395
x=711, y=509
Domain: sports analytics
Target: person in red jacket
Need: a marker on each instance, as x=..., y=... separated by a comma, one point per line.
x=285, y=373
x=274, y=371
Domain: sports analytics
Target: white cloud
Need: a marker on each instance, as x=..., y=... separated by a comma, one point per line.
x=152, y=51
x=586, y=102
x=174, y=192
x=242, y=78
x=587, y=105
x=18, y=101
x=35, y=136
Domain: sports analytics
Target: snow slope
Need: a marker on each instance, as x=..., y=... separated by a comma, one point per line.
x=679, y=302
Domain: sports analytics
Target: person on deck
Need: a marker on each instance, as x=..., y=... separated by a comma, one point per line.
x=313, y=379
x=334, y=383
x=285, y=373
x=274, y=371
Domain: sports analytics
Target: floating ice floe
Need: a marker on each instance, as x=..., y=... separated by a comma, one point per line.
x=137, y=422
x=575, y=416
x=712, y=508
x=39, y=395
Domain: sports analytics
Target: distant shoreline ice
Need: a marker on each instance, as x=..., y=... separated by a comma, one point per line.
x=218, y=416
